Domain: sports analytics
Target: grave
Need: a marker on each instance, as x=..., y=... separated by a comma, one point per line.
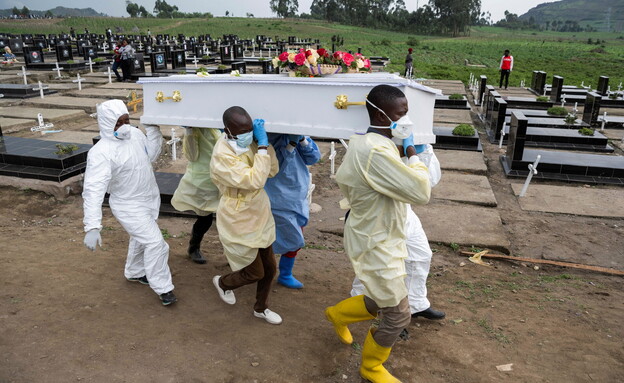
x=538, y=83
x=36, y=159
x=50, y=115
x=446, y=140
x=65, y=102
x=444, y=102
x=558, y=165
x=21, y=91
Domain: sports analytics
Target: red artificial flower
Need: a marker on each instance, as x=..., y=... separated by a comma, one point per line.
x=301, y=50
x=367, y=63
x=308, y=53
x=338, y=55
x=347, y=58
x=300, y=58
x=322, y=52
x=283, y=57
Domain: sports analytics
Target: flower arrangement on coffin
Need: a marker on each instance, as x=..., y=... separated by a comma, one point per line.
x=317, y=62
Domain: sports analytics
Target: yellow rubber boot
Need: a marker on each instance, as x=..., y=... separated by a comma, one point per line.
x=373, y=357
x=348, y=311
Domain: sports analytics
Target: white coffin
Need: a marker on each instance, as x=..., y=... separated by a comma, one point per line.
x=295, y=105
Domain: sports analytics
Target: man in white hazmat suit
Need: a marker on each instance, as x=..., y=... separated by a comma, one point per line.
x=377, y=186
x=120, y=164
x=419, y=253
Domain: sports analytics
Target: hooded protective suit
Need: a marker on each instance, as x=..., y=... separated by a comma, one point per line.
x=419, y=253
x=288, y=191
x=122, y=167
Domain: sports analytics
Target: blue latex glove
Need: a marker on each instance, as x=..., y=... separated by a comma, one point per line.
x=420, y=148
x=259, y=132
x=407, y=142
x=294, y=138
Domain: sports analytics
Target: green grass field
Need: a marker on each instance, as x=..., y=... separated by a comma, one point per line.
x=564, y=54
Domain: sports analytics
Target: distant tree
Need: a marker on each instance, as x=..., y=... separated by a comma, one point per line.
x=164, y=10
x=284, y=8
x=15, y=11
x=456, y=16
x=49, y=14
x=132, y=8
x=227, y=13
x=25, y=11
x=249, y=14
x=144, y=13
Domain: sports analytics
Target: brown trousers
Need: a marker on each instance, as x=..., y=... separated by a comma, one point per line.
x=393, y=320
x=261, y=270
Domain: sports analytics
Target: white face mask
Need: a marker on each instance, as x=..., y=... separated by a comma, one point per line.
x=124, y=132
x=401, y=128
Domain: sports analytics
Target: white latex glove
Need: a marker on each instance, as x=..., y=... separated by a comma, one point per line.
x=92, y=238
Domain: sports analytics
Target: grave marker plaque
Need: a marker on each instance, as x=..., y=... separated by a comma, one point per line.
x=240, y=66
x=603, y=85
x=482, y=85
x=268, y=68
x=64, y=53
x=178, y=60
x=138, y=63
x=158, y=61
x=89, y=51
x=4, y=42
x=591, y=109
x=516, y=138
x=497, y=119
x=40, y=43
x=238, y=50
x=33, y=55
x=556, y=89
x=225, y=52
x=16, y=45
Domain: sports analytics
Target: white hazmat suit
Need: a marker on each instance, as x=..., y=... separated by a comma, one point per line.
x=419, y=253
x=122, y=167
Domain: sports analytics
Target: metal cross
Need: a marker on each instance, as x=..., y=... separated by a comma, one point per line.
x=79, y=80
x=134, y=101
x=41, y=88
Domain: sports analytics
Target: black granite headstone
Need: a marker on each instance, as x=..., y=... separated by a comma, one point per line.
x=591, y=109
x=540, y=84
x=64, y=53
x=139, y=63
x=4, y=42
x=89, y=51
x=178, y=60
x=603, y=85
x=497, y=119
x=16, y=45
x=226, y=53
x=268, y=68
x=516, y=138
x=158, y=61
x=238, y=50
x=40, y=43
x=482, y=84
x=33, y=55
x=240, y=66
x=556, y=89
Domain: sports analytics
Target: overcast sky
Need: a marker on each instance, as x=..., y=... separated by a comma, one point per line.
x=260, y=8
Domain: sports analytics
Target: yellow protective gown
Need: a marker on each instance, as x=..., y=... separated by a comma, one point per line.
x=196, y=191
x=377, y=185
x=244, y=218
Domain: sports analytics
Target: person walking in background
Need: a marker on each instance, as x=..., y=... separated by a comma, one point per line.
x=506, y=66
x=127, y=56
x=409, y=69
x=117, y=60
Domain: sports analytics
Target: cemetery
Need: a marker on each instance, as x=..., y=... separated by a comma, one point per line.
x=517, y=181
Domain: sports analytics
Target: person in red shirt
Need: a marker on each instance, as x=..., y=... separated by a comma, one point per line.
x=506, y=66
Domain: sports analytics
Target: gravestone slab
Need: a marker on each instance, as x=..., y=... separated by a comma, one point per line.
x=465, y=188
x=603, y=85
x=121, y=85
x=448, y=222
x=452, y=116
x=557, y=89
x=469, y=162
x=446, y=140
x=576, y=200
x=66, y=102
x=118, y=94
x=49, y=115
x=11, y=122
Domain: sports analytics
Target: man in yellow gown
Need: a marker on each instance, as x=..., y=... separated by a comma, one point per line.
x=377, y=185
x=246, y=227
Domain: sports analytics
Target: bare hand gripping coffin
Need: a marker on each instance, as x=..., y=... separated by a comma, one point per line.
x=331, y=107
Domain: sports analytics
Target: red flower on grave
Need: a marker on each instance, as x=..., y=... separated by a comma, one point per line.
x=322, y=52
x=347, y=58
x=300, y=59
x=283, y=57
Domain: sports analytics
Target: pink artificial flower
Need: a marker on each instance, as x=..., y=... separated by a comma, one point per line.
x=338, y=55
x=301, y=50
x=283, y=57
x=322, y=52
x=367, y=63
x=347, y=58
x=300, y=59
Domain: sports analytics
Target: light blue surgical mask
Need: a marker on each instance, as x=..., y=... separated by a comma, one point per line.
x=244, y=140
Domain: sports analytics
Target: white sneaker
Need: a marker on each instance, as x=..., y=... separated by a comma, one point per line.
x=227, y=296
x=269, y=316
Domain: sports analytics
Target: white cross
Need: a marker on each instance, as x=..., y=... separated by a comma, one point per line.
x=522, y=84
x=110, y=75
x=332, y=157
x=174, y=140
x=532, y=172
x=311, y=188
x=104, y=46
x=604, y=120
x=575, y=110
x=23, y=73
x=563, y=101
x=620, y=87
x=58, y=70
x=205, y=48
x=140, y=46
x=40, y=88
x=582, y=84
x=90, y=65
x=195, y=61
x=42, y=125
x=79, y=80
x=609, y=90
x=502, y=135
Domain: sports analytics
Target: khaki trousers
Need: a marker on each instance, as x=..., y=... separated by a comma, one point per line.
x=393, y=320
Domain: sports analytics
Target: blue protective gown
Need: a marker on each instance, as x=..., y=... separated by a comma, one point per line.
x=288, y=191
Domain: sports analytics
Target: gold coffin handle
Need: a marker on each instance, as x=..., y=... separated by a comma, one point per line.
x=176, y=97
x=342, y=102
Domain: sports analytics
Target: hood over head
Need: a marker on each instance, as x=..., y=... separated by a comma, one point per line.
x=107, y=114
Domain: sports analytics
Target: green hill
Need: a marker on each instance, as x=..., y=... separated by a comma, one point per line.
x=60, y=12
x=604, y=15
